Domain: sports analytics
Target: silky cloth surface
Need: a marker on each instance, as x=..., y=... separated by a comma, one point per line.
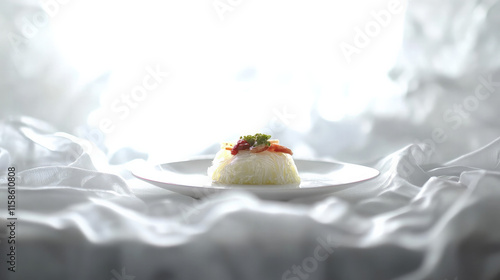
x=416, y=220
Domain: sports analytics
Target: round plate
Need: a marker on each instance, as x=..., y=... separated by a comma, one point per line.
x=317, y=178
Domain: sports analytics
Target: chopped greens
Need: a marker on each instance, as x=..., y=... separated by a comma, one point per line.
x=257, y=139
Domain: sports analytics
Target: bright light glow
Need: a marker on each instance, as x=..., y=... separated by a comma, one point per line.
x=334, y=104
x=265, y=60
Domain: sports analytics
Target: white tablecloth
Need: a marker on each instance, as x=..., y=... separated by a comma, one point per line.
x=417, y=220
x=426, y=216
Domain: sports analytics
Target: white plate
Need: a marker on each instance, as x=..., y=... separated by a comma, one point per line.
x=318, y=177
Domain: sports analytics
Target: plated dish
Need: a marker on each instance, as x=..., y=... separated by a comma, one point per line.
x=317, y=178
x=254, y=160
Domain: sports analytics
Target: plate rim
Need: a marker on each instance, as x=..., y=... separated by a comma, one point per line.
x=264, y=188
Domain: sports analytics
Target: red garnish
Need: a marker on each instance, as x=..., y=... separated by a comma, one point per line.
x=279, y=148
x=240, y=145
x=259, y=148
x=244, y=145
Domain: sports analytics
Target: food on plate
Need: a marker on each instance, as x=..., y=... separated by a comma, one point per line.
x=254, y=160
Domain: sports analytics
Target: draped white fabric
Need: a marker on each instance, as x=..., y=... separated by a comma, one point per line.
x=417, y=220
x=431, y=127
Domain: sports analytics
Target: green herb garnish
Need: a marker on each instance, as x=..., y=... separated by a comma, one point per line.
x=257, y=139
